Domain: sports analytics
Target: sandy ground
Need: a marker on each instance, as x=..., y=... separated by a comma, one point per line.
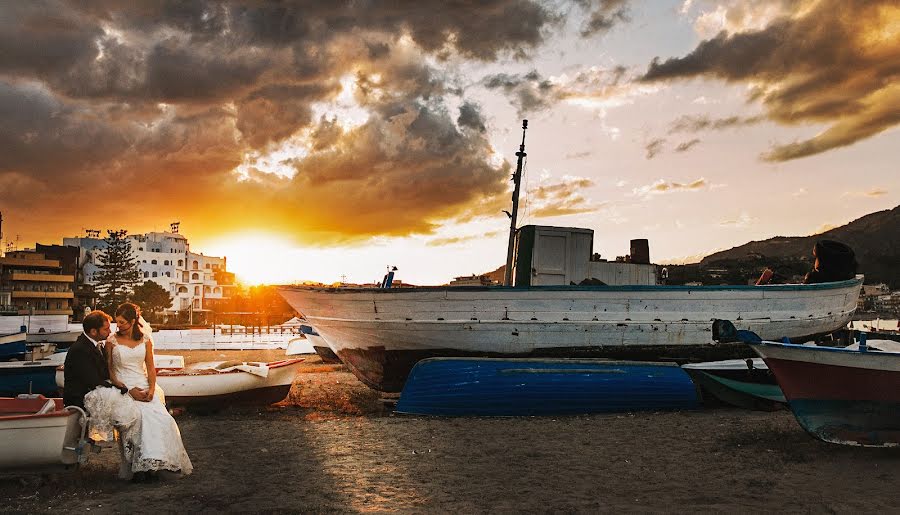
x=334, y=446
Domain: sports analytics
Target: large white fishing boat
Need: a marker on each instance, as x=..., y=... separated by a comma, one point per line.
x=381, y=333
x=563, y=302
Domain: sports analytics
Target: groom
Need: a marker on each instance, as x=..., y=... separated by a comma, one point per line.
x=85, y=367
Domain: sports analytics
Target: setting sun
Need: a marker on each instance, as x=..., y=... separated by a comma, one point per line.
x=257, y=258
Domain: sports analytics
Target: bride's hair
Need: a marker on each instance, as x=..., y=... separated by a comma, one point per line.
x=132, y=313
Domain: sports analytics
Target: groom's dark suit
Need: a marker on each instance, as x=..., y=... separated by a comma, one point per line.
x=85, y=369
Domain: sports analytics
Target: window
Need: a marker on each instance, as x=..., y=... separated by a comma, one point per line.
x=206, y=289
x=195, y=276
x=146, y=274
x=182, y=289
x=207, y=266
x=217, y=290
x=166, y=262
x=180, y=263
x=196, y=265
x=196, y=290
x=168, y=274
x=154, y=274
x=153, y=262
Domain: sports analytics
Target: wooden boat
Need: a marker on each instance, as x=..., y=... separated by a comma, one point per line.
x=13, y=345
x=35, y=376
x=37, y=432
x=839, y=395
x=381, y=333
x=745, y=383
x=524, y=387
x=219, y=383
x=62, y=339
x=319, y=345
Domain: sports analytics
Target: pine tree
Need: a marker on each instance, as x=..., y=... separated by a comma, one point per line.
x=118, y=271
x=152, y=298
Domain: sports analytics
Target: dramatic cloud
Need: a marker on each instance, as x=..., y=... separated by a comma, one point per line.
x=663, y=186
x=811, y=62
x=532, y=92
x=326, y=121
x=604, y=16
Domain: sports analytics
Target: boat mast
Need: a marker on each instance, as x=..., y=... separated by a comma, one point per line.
x=517, y=180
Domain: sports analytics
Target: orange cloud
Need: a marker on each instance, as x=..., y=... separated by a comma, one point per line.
x=826, y=61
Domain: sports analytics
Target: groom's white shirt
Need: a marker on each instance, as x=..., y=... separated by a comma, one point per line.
x=95, y=342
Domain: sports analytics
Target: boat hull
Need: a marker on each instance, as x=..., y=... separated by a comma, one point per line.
x=736, y=383
x=37, y=377
x=381, y=333
x=30, y=441
x=13, y=346
x=838, y=395
x=530, y=387
x=184, y=388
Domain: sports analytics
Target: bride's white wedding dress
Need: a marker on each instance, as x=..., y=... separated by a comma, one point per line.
x=151, y=440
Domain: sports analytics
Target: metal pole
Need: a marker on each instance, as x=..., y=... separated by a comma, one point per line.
x=517, y=180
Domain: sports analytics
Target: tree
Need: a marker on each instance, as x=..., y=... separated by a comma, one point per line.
x=118, y=271
x=152, y=298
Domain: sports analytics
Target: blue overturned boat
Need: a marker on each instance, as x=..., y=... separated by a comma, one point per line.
x=13, y=345
x=36, y=376
x=462, y=386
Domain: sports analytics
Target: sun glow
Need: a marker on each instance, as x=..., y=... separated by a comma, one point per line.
x=258, y=258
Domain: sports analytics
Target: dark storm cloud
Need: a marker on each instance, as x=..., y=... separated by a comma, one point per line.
x=470, y=116
x=604, y=16
x=173, y=97
x=831, y=61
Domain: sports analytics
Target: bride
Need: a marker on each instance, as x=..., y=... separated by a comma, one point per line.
x=150, y=438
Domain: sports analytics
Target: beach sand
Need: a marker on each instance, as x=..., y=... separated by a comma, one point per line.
x=334, y=446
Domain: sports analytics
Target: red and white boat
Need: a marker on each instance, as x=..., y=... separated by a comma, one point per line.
x=839, y=395
x=38, y=432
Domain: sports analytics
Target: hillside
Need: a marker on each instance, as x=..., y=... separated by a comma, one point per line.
x=875, y=238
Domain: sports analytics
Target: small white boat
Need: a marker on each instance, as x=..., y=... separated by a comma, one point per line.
x=222, y=382
x=37, y=432
x=225, y=382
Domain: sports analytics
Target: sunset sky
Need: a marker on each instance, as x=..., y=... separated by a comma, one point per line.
x=319, y=139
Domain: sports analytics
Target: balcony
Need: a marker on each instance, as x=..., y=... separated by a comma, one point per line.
x=64, y=311
x=46, y=278
x=43, y=295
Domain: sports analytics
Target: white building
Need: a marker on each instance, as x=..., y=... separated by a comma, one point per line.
x=195, y=281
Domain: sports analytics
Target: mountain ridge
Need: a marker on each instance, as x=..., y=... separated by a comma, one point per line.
x=875, y=238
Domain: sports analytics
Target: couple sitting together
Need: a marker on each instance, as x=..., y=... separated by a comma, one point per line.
x=113, y=377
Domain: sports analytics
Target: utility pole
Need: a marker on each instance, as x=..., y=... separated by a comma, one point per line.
x=517, y=180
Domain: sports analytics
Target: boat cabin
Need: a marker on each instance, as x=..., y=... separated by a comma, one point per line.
x=563, y=256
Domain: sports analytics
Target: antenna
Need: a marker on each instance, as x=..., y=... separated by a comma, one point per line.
x=517, y=180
